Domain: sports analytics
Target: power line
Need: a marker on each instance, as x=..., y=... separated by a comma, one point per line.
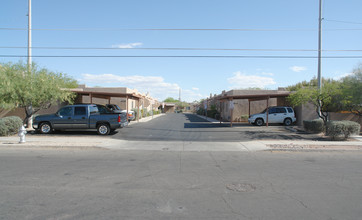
x=346, y=22
x=198, y=56
x=174, y=29
x=156, y=48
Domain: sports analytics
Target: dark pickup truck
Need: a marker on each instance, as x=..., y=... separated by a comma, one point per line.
x=81, y=117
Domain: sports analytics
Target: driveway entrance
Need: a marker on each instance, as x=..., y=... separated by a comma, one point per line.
x=193, y=128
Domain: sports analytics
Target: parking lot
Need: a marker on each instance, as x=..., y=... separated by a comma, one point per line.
x=190, y=127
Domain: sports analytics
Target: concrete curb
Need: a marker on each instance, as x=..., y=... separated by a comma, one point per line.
x=208, y=119
x=101, y=142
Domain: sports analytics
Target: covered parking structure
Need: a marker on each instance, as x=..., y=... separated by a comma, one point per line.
x=109, y=95
x=251, y=98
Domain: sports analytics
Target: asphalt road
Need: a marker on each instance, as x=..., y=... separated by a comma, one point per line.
x=192, y=128
x=104, y=184
x=157, y=183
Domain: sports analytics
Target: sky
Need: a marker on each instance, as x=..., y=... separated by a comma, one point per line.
x=199, y=46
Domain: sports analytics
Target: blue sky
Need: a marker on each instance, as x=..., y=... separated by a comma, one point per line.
x=264, y=28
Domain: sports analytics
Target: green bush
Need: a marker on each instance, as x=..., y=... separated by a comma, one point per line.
x=136, y=113
x=314, y=126
x=342, y=129
x=201, y=111
x=3, y=129
x=10, y=125
x=212, y=113
x=244, y=117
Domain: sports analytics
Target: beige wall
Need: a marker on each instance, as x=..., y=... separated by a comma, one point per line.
x=169, y=109
x=241, y=106
x=345, y=116
x=144, y=103
x=121, y=102
x=305, y=112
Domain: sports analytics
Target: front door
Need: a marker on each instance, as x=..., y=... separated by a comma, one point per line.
x=63, y=118
x=273, y=116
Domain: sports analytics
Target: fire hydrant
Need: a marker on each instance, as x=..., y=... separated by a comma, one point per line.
x=21, y=134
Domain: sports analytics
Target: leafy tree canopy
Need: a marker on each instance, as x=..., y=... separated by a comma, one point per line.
x=177, y=102
x=335, y=95
x=33, y=90
x=351, y=87
x=171, y=100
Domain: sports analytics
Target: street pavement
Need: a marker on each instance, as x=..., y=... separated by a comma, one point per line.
x=179, y=167
x=178, y=185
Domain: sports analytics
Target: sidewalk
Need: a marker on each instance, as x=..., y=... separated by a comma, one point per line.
x=79, y=142
x=146, y=119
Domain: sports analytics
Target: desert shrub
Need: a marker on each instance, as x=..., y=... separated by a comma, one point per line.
x=135, y=110
x=201, y=111
x=212, y=113
x=13, y=123
x=3, y=128
x=314, y=126
x=244, y=117
x=342, y=129
x=10, y=125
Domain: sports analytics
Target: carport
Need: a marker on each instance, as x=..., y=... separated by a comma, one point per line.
x=250, y=98
x=109, y=95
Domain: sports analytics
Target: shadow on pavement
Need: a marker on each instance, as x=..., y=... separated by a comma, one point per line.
x=194, y=118
x=70, y=133
x=205, y=125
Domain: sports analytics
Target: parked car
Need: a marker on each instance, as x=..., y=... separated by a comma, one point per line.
x=80, y=117
x=117, y=109
x=104, y=110
x=277, y=114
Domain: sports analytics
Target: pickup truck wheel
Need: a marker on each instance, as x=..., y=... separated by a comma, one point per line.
x=103, y=129
x=259, y=122
x=45, y=128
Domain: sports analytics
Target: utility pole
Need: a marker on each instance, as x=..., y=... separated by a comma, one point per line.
x=320, y=52
x=30, y=107
x=29, y=35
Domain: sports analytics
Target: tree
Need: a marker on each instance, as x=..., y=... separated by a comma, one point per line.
x=171, y=100
x=33, y=90
x=324, y=100
x=352, y=92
